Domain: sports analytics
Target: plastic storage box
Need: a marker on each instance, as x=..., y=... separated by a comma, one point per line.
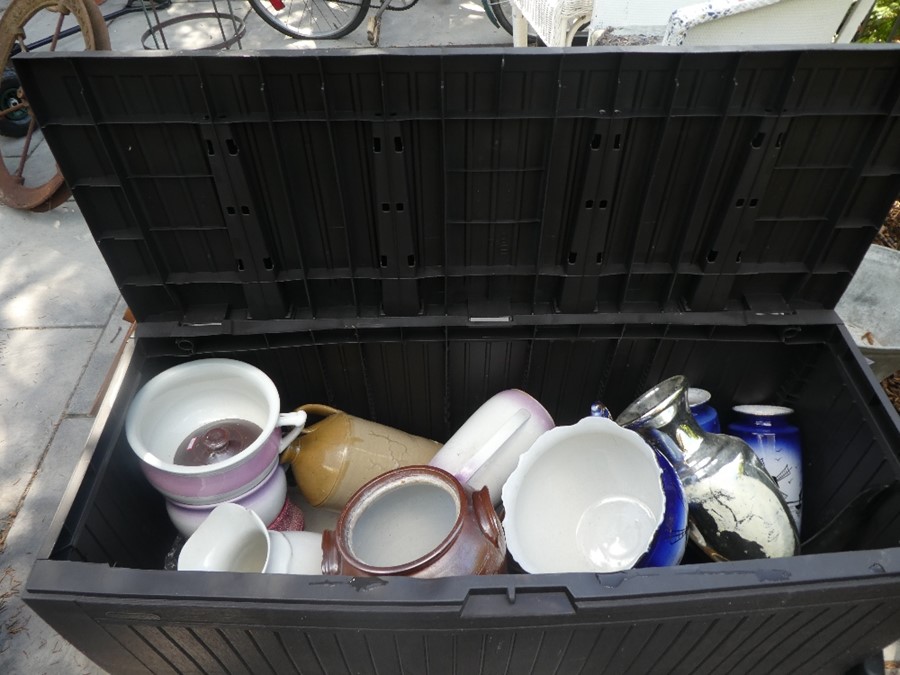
x=402, y=235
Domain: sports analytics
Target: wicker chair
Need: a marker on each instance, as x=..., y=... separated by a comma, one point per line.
x=554, y=21
x=677, y=22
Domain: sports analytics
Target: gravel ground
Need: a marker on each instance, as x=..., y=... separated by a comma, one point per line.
x=889, y=236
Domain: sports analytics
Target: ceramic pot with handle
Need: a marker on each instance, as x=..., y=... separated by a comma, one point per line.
x=234, y=539
x=198, y=402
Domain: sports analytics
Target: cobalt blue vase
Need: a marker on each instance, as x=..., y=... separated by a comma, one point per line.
x=703, y=412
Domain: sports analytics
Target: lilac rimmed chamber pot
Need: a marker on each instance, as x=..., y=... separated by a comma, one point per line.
x=266, y=500
x=210, y=407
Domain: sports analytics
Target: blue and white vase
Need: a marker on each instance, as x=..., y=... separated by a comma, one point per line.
x=766, y=429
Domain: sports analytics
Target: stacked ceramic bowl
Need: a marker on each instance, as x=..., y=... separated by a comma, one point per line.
x=209, y=432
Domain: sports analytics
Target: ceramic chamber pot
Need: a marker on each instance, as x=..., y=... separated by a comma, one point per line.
x=416, y=521
x=191, y=396
x=266, y=500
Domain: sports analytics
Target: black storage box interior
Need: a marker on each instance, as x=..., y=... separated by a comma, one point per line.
x=404, y=234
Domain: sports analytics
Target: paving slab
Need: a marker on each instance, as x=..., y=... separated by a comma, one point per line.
x=39, y=369
x=51, y=273
x=428, y=23
x=27, y=644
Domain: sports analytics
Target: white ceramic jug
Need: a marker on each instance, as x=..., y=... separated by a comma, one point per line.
x=486, y=448
x=234, y=539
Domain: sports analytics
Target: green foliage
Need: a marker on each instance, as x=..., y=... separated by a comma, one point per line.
x=881, y=22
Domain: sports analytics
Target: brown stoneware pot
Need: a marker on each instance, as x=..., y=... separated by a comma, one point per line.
x=416, y=521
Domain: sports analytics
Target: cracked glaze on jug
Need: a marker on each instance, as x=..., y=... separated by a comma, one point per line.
x=736, y=509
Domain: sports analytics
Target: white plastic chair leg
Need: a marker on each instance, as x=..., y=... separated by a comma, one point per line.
x=520, y=27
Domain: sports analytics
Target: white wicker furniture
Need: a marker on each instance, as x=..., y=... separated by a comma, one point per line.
x=747, y=22
x=643, y=20
x=554, y=21
x=677, y=22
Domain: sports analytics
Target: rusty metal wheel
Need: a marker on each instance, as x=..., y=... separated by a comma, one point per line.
x=29, y=176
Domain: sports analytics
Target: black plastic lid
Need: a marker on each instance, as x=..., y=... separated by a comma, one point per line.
x=438, y=187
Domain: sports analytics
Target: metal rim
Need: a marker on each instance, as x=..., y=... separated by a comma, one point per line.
x=14, y=191
x=237, y=24
x=309, y=20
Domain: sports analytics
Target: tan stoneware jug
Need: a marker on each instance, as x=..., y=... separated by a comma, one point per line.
x=336, y=456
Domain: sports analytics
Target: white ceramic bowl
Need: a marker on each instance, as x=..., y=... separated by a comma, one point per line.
x=584, y=498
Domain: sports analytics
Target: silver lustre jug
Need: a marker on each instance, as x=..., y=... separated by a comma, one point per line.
x=736, y=509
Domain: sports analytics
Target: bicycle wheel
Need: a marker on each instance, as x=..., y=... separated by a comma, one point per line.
x=503, y=13
x=312, y=19
x=29, y=176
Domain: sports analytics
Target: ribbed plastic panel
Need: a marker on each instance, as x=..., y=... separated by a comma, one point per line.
x=629, y=647
x=470, y=184
x=401, y=235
